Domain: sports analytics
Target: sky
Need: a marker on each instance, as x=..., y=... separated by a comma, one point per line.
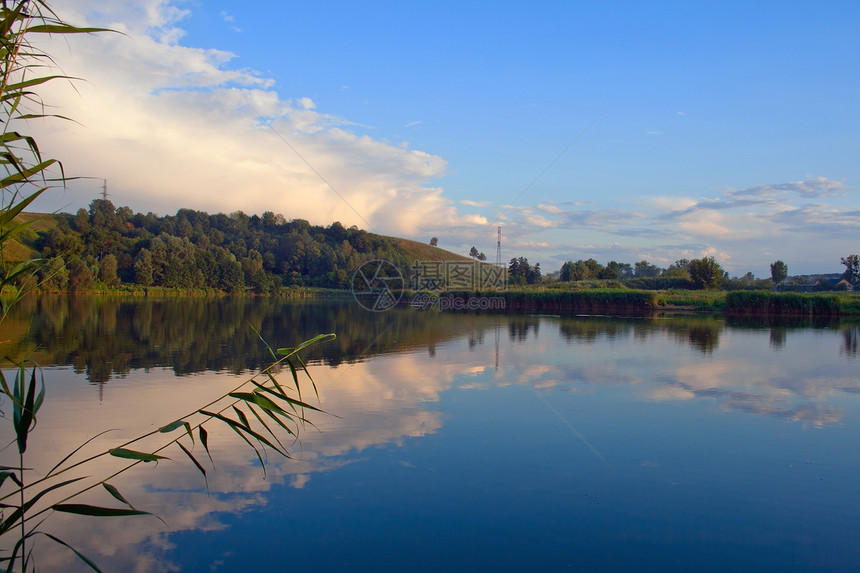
x=621, y=131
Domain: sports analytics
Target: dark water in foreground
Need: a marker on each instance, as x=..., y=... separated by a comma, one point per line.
x=466, y=442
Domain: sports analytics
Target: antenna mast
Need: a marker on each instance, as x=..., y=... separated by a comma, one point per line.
x=499, y=249
x=104, y=190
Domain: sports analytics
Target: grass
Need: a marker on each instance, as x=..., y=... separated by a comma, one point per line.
x=792, y=303
x=623, y=300
x=705, y=300
x=595, y=300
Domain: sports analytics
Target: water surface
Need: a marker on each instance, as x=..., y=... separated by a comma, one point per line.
x=463, y=441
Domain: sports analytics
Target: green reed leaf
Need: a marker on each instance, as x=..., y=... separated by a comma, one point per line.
x=21, y=510
x=7, y=215
x=280, y=422
x=116, y=494
x=95, y=510
x=268, y=429
x=171, y=427
x=266, y=344
x=10, y=475
x=258, y=399
x=239, y=428
x=204, y=439
x=234, y=425
x=195, y=462
x=76, y=450
x=61, y=28
x=294, y=349
x=302, y=404
x=134, y=455
x=27, y=415
x=83, y=557
x=178, y=424
x=242, y=418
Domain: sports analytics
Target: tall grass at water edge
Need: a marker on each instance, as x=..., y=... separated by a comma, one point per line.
x=791, y=303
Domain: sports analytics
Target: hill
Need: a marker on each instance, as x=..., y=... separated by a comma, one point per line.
x=20, y=247
x=425, y=252
x=107, y=247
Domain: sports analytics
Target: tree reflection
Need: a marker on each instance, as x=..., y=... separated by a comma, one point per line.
x=108, y=337
x=777, y=336
x=850, y=338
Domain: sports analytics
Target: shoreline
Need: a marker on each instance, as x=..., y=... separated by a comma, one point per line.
x=630, y=302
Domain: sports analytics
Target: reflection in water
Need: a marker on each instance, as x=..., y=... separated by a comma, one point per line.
x=778, y=335
x=423, y=406
x=520, y=326
x=850, y=335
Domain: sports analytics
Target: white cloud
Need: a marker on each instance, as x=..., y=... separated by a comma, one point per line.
x=471, y=203
x=549, y=208
x=172, y=126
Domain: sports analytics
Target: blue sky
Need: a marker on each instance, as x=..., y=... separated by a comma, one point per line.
x=618, y=130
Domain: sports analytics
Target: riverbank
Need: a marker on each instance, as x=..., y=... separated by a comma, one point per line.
x=591, y=301
x=642, y=302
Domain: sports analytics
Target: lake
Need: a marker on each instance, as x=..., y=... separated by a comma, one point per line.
x=455, y=441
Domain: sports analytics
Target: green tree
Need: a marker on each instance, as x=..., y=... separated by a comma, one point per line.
x=107, y=271
x=778, y=272
x=143, y=268
x=520, y=272
x=434, y=242
x=852, y=268
x=54, y=276
x=680, y=269
x=706, y=273
x=82, y=220
x=232, y=278
x=566, y=272
x=80, y=276
x=473, y=252
x=611, y=271
x=645, y=269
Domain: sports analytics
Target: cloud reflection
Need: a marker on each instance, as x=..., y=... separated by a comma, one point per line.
x=388, y=399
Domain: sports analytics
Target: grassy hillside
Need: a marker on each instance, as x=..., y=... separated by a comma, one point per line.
x=21, y=247
x=108, y=248
x=424, y=252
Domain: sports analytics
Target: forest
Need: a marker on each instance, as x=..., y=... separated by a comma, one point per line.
x=109, y=246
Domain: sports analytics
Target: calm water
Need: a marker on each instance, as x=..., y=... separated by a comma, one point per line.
x=464, y=442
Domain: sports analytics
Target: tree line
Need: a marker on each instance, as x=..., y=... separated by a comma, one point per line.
x=106, y=246
x=704, y=273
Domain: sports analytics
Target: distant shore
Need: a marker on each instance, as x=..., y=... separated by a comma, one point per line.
x=593, y=301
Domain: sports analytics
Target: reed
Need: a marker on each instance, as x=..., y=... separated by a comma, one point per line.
x=791, y=303
x=598, y=300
